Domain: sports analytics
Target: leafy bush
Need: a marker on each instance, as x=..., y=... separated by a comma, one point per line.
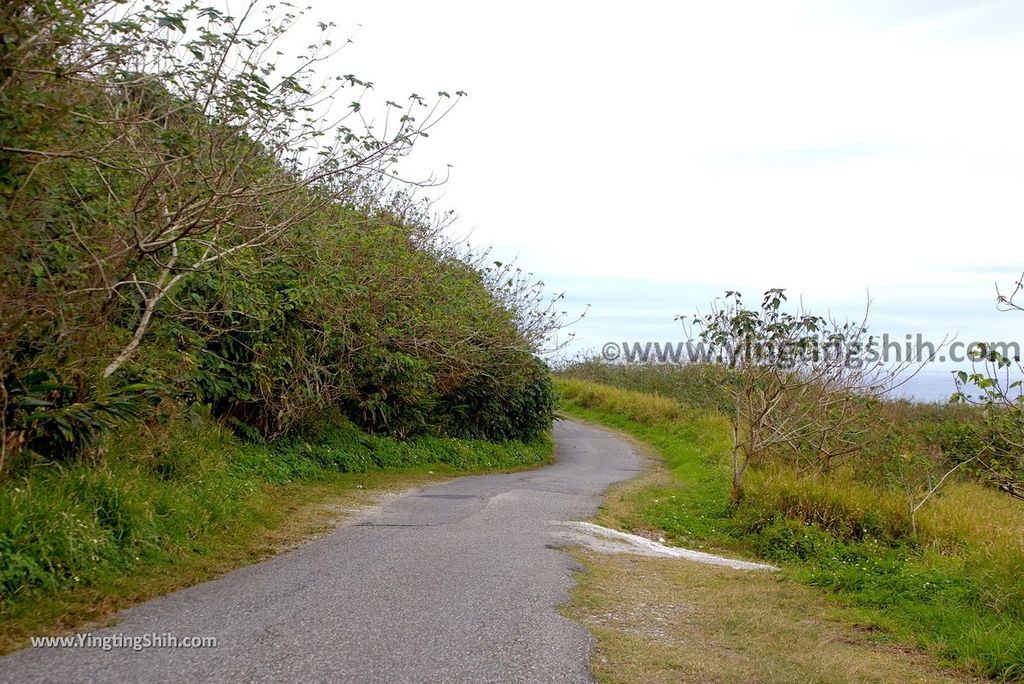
x=481, y=408
x=177, y=215
x=55, y=419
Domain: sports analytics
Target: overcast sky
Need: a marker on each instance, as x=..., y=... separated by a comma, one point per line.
x=645, y=156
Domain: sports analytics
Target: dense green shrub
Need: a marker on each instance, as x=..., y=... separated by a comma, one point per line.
x=483, y=408
x=184, y=235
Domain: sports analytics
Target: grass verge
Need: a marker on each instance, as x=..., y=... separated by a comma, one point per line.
x=954, y=592
x=663, y=620
x=188, y=502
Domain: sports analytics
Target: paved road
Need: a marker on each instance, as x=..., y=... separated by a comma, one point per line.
x=454, y=582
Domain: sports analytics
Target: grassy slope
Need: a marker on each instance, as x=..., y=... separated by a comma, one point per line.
x=167, y=510
x=954, y=594
x=662, y=620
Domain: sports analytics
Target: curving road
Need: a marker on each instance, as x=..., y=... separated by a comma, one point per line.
x=457, y=582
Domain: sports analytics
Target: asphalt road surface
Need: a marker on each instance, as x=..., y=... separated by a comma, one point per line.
x=457, y=582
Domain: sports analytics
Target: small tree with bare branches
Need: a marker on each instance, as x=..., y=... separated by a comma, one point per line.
x=799, y=384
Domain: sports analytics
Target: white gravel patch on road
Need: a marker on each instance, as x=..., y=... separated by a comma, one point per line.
x=607, y=540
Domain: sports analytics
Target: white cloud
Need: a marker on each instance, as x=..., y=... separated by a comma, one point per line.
x=829, y=148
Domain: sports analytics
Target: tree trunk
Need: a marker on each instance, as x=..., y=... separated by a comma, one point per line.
x=162, y=286
x=140, y=330
x=737, y=470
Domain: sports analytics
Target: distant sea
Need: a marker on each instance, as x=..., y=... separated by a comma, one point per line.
x=929, y=385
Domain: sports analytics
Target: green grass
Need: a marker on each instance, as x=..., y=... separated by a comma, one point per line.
x=185, y=502
x=954, y=590
x=693, y=505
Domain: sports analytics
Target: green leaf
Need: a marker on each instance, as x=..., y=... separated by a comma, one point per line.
x=171, y=21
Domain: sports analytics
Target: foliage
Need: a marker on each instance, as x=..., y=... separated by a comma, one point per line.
x=484, y=409
x=994, y=384
x=951, y=586
x=798, y=383
x=52, y=419
x=184, y=219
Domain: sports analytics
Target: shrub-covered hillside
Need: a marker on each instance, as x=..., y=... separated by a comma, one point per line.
x=185, y=220
x=213, y=286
